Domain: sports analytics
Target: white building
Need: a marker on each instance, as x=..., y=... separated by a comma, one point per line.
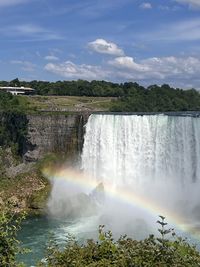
x=17, y=90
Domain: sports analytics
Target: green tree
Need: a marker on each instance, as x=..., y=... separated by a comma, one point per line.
x=15, y=82
x=9, y=244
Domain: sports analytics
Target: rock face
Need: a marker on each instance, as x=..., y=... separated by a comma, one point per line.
x=61, y=134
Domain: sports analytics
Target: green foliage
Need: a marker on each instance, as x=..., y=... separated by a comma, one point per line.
x=13, y=122
x=9, y=245
x=132, y=96
x=125, y=252
x=157, y=99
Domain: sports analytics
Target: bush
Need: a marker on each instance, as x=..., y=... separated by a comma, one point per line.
x=9, y=245
x=125, y=252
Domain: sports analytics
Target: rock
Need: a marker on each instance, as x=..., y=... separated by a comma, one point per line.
x=14, y=201
x=54, y=133
x=7, y=160
x=13, y=171
x=98, y=194
x=32, y=156
x=76, y=206
x=38, y=200
x=1, y=202
x=23, y=204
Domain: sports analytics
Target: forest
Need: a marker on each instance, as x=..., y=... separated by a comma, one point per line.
x=130, y=96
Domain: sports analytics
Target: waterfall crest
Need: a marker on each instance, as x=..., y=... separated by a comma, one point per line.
x=127, y=148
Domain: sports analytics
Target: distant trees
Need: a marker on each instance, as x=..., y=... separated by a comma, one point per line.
x=131, y=96
x=15, y=82
x=74, y=88
x=157, y=99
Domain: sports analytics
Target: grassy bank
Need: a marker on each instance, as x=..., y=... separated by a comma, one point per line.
x=67, y=103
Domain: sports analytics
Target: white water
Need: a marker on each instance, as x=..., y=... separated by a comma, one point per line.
x=157, y=156
x=131, y=148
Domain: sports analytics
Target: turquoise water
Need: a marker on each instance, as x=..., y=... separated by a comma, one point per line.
x=37, y=231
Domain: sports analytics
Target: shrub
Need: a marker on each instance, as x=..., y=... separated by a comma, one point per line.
x=125, y=252
x=9, y=245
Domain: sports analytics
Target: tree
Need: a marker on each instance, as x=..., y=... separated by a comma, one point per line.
x=15, y=82
x=9, y=244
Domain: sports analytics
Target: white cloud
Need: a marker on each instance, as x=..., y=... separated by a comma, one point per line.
x=51, y=58
x=4, y=3
x=104, y=47
x=146, y=5
x=25, y=65
x=179, y=70
x=191, y=3
x=176, y=67
x=70, y=70
x=127, y=63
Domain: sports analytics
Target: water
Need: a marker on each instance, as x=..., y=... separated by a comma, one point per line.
x=127, y=149
x=154, y=160
x=147, y=164
x=37, y=231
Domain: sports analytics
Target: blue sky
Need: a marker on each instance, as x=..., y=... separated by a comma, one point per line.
x=152, y=41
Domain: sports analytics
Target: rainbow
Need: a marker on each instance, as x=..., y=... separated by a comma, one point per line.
x=131, y=198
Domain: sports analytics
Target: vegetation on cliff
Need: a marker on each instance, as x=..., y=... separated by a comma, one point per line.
x=21, y=185
x=13, y=122
x=25, y=192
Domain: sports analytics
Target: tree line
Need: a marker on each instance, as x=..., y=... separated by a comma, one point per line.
x=130, y=96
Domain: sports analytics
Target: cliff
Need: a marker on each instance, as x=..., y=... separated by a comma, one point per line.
x=21, y=183
x=61, y=134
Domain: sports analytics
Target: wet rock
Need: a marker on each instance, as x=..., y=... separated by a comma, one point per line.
x=98, y=194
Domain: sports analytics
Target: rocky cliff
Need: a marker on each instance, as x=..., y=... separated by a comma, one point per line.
x=61, y=134
x=22, y=184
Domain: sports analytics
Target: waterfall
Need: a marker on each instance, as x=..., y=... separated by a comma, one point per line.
x=156, y=157
x=142, y=165
x=127, y=149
